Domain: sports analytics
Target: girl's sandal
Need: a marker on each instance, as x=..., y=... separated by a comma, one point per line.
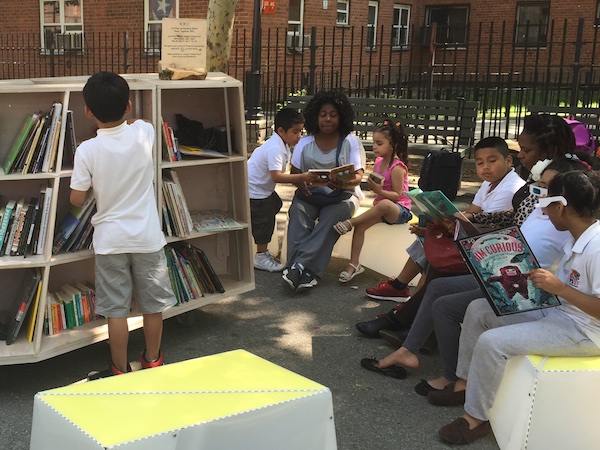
x=341, y=227
x=346, y=276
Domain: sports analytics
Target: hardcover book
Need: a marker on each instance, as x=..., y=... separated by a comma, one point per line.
x=341, y=173
x=441, y=211
x=500, y=260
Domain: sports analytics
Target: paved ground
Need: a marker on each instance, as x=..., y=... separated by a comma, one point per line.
x=311, y=333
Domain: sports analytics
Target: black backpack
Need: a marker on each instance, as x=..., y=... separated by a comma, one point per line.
x=441, y=170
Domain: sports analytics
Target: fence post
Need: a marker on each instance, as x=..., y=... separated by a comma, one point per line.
x=125, y=51
x=312, y=68
x=577, y=64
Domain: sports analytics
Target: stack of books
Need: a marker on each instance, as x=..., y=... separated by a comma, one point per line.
x=176, y=215
x=75, y=230
x=170, y=145
x=68, y=308
x=191, y=273
x=27, y=300
x=35, y=147
x=23, y=225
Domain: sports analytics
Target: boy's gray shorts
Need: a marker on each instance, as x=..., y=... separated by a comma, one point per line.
x=120, y=275
x=417, y=254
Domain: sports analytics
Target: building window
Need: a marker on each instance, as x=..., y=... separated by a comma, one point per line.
x=295, y=36
x=532, y=24
x=154, y=12
x=400, y=25
x=372, y=25
x=343, y=12
x=451, y=24
x=62, y=25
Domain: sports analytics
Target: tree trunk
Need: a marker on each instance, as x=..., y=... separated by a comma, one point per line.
x=220, y=27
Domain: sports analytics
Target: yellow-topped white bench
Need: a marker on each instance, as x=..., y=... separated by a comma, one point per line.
x=232, y=400
x=548, y=403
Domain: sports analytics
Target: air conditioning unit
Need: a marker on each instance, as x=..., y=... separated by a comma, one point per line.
x=294, y=42
x=69, y=41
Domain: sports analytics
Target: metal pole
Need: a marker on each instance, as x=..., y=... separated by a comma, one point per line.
x=253, y=110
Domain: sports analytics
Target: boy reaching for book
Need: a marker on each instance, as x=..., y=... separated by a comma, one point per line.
x=117, y=167
x=266, y=168
x=391, y=205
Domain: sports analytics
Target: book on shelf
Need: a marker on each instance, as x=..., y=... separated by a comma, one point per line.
x=213, y=220
x=168, y=147
x=18, y=142
x=33, y=313
x=14, y=226
x=45, y=217
x=212, y=276
x=25, y=148
x=341, y=173
x=189, y=150
x=53, y=137
x=176, y=203
x=6, y=218
x=27, y=293
x=500, y=260
x=72, y=224
x=23, y=230
x=70, y=145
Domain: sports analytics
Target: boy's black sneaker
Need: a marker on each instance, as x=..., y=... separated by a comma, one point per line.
x=111, y=371
x=293, y=274
x=307, y=280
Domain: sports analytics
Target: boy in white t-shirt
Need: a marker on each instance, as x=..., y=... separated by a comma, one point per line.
x=117, y=167
x=266, y=167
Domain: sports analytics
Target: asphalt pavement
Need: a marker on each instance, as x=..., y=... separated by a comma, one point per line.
x=311, y=333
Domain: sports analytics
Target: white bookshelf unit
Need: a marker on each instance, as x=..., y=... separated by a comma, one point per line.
x=207, y=184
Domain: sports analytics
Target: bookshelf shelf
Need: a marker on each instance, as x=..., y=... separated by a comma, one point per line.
x=206, y=184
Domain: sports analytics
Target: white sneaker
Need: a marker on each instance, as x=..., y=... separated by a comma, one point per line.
x=266, y=261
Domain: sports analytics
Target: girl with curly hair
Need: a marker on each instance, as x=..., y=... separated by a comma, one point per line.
x=391, y=205
x=315, y=209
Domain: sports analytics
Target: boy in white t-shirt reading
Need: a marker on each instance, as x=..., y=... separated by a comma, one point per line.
x=266, y=167
x=116, y=166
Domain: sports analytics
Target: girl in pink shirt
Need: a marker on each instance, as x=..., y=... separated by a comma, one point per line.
x=390, y=182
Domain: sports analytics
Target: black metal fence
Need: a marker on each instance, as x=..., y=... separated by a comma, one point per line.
x=505, y=76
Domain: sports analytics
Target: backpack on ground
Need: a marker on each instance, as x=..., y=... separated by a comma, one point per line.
x=585, y=141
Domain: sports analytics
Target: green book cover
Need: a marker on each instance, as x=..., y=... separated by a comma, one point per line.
x=18, y=143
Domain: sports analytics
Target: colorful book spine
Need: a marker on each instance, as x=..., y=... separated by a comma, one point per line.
x=17, y=143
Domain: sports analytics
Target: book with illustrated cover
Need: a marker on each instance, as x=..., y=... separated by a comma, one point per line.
x=214, y=220
x=341, y=173
x=440, y=210
x=188, y=150
x=500, y=261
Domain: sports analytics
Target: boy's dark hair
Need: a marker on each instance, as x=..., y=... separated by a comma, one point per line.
x=106, y=95
x=394, y=131
x=341, y=103
x=581, y=189
x=494, y=142
x=286, y=118
x=551, y=133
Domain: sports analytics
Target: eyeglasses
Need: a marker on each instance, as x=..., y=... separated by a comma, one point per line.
x=544, y=202
x=538, y=190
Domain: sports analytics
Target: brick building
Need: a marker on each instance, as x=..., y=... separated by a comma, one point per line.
x=350, y=43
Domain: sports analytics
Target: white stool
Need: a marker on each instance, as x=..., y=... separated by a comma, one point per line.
x=232, y=400
x=548, y=403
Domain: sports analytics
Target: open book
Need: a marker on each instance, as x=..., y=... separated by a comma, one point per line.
x=342, y=173
x=441, y=211
x=500, y=260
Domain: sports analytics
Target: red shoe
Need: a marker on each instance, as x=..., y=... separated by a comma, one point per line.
x=385, y=291
x=111, y=371
x=150, y=364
